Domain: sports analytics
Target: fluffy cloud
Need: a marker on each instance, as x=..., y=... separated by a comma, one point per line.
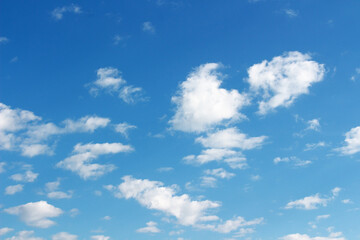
x=52, y=191
x=5, y=230
x=283, y=79
x=220, y=173
x=123, y=128
x=314, y=201
x=11, y=190
x=36, y=214
x=151, y=227
x=294, y=160
x=23, y=131
x=230, y=138
x=28, y=176
x=154, y=195
x=202, y=104
x=313, y=124
x=352, y=142
x=25, y=235
x=59, y=12
x=298, y=236
x=110, y=80
x=64, y=236
x=83, y=155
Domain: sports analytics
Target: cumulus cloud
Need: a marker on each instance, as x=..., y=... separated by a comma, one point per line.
x=230, y=138
x=52, y=191
x=25, y=235
x=109, y=79
x=28, y=176
x=148, y=27
x=5, y=230
x=59, y=12
x=283, y=79
x=151, y=227
x=64, y=236
x=313, y=124
x=36, y=214
x=11, y=190
x=86, y=124
x=84, y=154
x=352, y=142
x=314, y=201
x=154, y=195
x=202, y=104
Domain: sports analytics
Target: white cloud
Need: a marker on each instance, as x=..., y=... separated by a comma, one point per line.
x=110, y=80
x=283, y=79
x=28, y=176
x=124, y=128
x=298, y=236
x=312, y=146
x=25, y=235
x=153, y=195
x=313, y=124
x=314, y=201
x=83, y=155
x=233, y=158
x=318, y=218
x=352, y=142
x=148, y=27
x=36, y=214
x=64, y=236
x=220, y=173
x=74, y=212
x=291, y=13
x=346, y=201
x=33, y=150
x=165, y=169
x=86, y=124
x=2, y=165
x=231, y=225
x=52, y=191
x=208, y=181
x=151, y=227
x=202, y=104
x=100, y=237
x=294, y=160
x=11, y=190
x=59, y=12
x=5, y=230
x=255, y=177
x=107, y=218
x=230, y=138
x=3, y=40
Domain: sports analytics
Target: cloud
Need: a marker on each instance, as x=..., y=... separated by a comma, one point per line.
x=219, y=173
x=11, y=190
x=2, y=165
x=86, y=124
x=25, y=235
x=312, y=146
x=233, y=158
x=313, y=124
x=154, y=195
x=52, y=191
x=109, y=79
x=36, y=214
x=294, y=160
x=148, y=27
x=100, y=237
x=232, y=225
x=201, y=104
x=230, y=138
x=59, y=12
x=84, y=154
x=283, y=79
x=3, y=40
x=5, y=230
x=123, y=128
x=165, y=169
x=322, y=217
x=298, y=236
x=151, y=227
x=352, y=142
x=291, y=13
x=28, y=176
x=208, y=181
x=64, y=236
x=314, y=201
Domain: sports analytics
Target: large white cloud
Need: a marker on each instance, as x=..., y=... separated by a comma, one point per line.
x=36, y=214
x=352, y=142
x=109, y=79
x=201, y=103
x=154, y=195
x=84, y=154
x=283, y=79
x=230, y=138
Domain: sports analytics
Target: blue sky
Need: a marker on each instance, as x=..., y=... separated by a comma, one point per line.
x=179, y=120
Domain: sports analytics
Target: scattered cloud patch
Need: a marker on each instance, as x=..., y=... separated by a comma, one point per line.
x=2, y=165
x=293, y=160
x=282, y=80
x=123, y=128
x=100, y=237
x=11, y=190
x=58, y=13
x=298, y=236
x=312, y=146
x=165, y=169
x=4, y=40
x=313, y=124
x=219, y=173
x=5, y=230
x=291, y=13
x=64, y=236
x=148, y=27
x=202, y=104
x=83, y=155
x=352, y=142
x=25, y=235
x=52, y=191
x=36, y=214
x=151, y=227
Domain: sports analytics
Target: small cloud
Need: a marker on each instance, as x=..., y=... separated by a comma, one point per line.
x=312, y=146
x=165, y=169
x=148, y=27
x=255, y=178
x=120, y=39
x=14, y=59
x=74, y=212
x=59, y=12
x=151, y=227
x=294, y=160
x=107, y=218
x=291, y=13
x=355, y=75
x=4, y=40
x=11, y=190
x=313, y=124
x=123, y=128
x=346, y=201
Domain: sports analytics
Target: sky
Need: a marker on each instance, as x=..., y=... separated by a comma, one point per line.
x=179, y=120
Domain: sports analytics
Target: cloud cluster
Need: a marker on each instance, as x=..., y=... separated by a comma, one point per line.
x=52, y=191
x=352, y=142
x=59, y=12
x=83, y=155
x=36, y=214
x=109, y=79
